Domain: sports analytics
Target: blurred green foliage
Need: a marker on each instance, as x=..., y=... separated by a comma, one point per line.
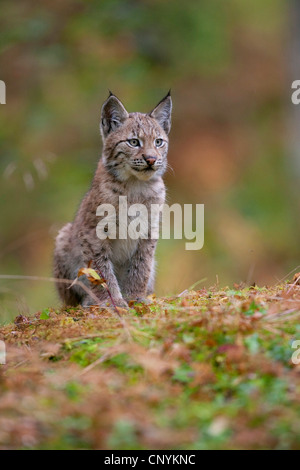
x=223, y=61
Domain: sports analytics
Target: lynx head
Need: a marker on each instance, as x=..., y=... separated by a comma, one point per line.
x=135, y=144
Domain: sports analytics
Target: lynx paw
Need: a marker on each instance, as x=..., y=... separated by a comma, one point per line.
x=121, y=303
x=105, y=303
x=139, y=300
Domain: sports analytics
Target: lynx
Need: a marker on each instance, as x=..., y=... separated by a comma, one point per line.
x=134, y=159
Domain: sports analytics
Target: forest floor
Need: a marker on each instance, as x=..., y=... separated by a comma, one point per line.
x=211, y=369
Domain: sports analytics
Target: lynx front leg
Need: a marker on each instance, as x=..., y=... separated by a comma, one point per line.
x=140, y=271
x=100, y=256
x=105, y=267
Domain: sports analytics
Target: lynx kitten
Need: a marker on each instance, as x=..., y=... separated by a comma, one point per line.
x=134, y=159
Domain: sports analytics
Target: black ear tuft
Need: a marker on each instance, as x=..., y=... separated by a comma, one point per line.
x=113, y=115
x=162, y=112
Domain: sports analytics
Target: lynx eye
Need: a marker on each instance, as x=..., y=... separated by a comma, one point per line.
x=134, y=142
x=158, y=142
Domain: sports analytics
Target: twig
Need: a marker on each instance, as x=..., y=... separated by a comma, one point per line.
x=80, y=338
x=65, y=281
x=50, y=279
x=100, y=360
x=294, y=284
x=109, y=293
x=281, y=315
x=287, y=275
x=191, y=287
x=94, y=364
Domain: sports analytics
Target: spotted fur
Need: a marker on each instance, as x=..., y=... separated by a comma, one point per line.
x=125, y=169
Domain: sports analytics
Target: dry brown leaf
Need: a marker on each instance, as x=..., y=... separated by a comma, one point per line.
x=296, y=279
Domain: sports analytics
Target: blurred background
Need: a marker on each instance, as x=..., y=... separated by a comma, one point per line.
x=233, y=142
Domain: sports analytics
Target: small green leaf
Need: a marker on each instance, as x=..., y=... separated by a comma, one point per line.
x=45, y=315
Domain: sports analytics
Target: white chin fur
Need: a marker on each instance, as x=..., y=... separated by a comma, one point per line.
x=127, y=172
x=143, y=175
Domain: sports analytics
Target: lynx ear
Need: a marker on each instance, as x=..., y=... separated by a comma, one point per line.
x=113, y=115
x=162, y=113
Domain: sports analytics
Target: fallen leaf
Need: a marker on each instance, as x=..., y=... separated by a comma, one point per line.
x=92, y=275
x=296, y=279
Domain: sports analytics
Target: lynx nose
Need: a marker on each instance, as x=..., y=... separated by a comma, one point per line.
x=150, y=160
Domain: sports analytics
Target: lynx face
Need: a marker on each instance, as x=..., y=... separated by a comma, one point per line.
x=135, y=144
